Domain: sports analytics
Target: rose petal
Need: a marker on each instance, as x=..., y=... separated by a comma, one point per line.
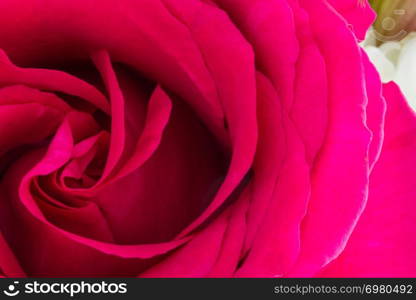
x=197, y=257
x=270, y=155
x=376, y=109
x=151, y=40
x=276, y=47
x=50, y=80
x=337, y=198
x=383, y=243
x=230, y=61
x=358, y=13
x=231, y=250
x=117, y=140
x=27, y=116
x=9, y=265
x=276, y=244
x=170, y=179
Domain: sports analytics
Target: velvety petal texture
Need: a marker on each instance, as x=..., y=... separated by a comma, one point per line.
x=189, y=138
x=383, y=243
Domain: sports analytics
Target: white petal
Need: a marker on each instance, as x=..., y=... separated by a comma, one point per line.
x=391, y=50
x=384, y=66
x=406, y=71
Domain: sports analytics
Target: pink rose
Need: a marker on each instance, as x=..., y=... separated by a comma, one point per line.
x=195, y=138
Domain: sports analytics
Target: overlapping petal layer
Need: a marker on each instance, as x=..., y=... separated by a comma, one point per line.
x=199, y=138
